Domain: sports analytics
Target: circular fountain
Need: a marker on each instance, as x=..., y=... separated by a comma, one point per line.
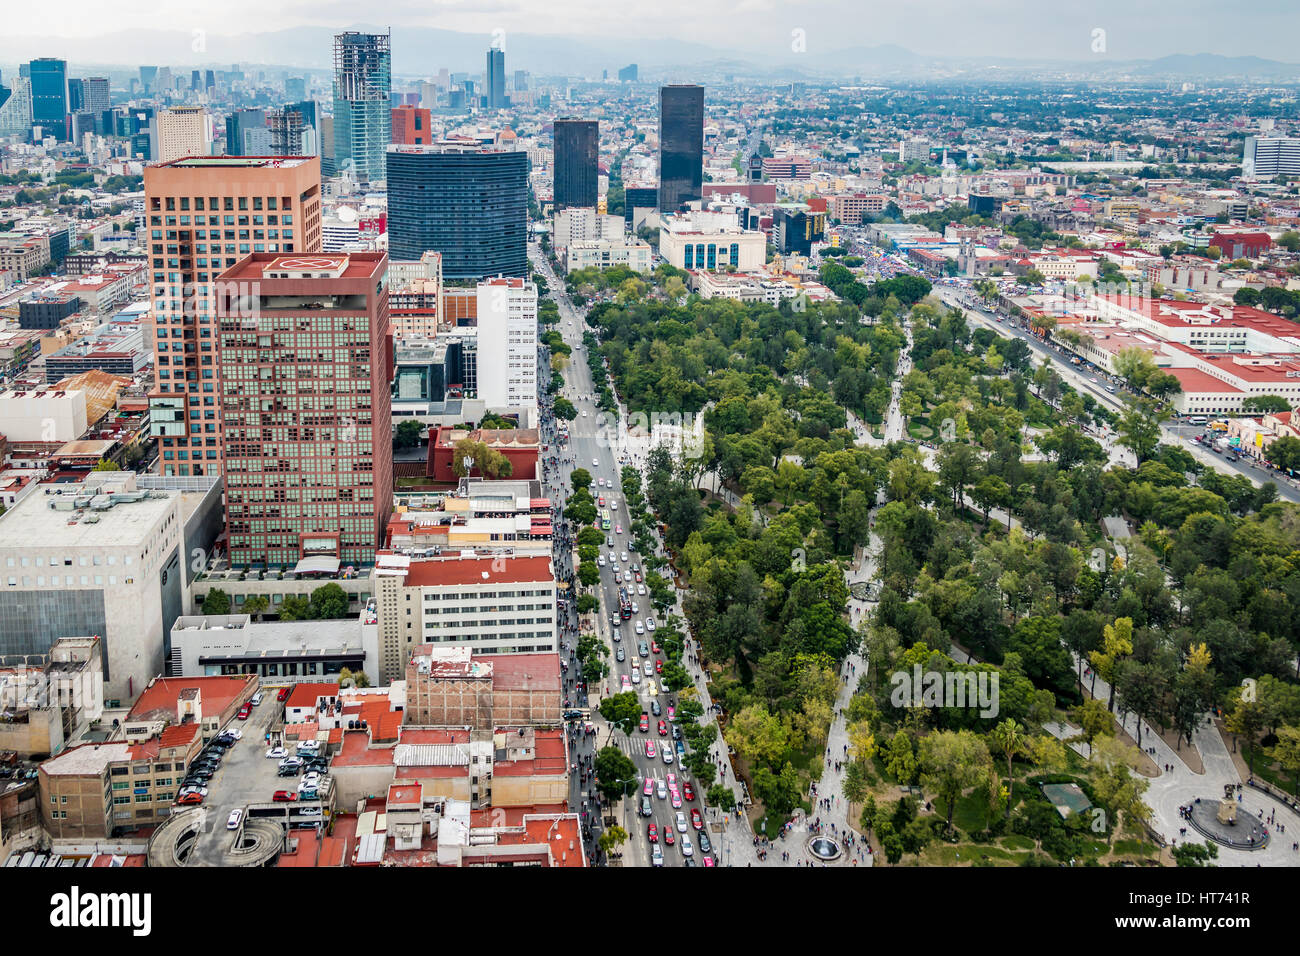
x=824, y=848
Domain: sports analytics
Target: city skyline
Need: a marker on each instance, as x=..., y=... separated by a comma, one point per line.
x=988, y=28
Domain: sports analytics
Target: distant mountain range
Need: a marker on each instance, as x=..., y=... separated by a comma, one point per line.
x=422, y=51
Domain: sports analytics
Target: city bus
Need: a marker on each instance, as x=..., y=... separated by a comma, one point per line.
x=624, y=604
x=604, y=519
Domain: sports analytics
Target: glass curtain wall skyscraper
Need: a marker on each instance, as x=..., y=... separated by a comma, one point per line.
x=468, y=203
x=362, y=87
x=49, y=79
x=496, y=79
x=681, y=145
x=577, y=144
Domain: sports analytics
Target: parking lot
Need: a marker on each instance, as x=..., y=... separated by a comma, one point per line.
x=247, y=780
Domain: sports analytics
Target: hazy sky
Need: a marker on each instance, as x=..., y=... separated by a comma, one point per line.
x=1011, y=28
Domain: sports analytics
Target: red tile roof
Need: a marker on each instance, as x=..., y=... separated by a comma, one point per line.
x=178, y=735
x=158, y=700
x=460, y=572
x=307, y=695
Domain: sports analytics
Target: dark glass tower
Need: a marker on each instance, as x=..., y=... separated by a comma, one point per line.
x=496, y=79
x=49, y=94
x=469, y=204
x=576, y=148
x=681, y=145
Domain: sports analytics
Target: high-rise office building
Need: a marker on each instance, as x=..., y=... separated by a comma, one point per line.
x=148, y=74
x=362, y=85
x=238, y=125
x=295, y=87
x=16, y=107
x=76, y=95
x=196, y=80
x=49, y=78
x=681, y=145
x=521, y=80
x=627, y=74
x=575, y=168
x=304, y=370
x=96, y=94
x=496, y=79
x=1270, y=157
x=467, y=202
x=276, y=207
x=507, y=344
x=638, y=197
x=180, y=132
x=209, y=80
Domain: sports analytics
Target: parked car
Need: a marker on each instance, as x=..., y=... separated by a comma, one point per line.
x=189, y=798
x=277, y=753
x=284, y=796
x=232, y=821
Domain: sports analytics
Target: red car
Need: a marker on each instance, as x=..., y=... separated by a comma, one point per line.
x=191, y=797
x=688, y=791
x=659, y=666
x=697, y=818
x=669, y=836
x=288, y=796
x=652, y=833
x=654, y=648
x=663, y=728
x=244, y=712
x=283, y=695
x=645, y=723
x=650, y=748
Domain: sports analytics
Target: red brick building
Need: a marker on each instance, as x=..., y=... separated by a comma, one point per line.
x=521, y=447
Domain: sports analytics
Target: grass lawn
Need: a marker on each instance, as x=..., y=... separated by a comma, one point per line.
x=972, y=812
x=1265, y=770
x=919, y=431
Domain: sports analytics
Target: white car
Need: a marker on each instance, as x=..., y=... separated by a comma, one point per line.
x=233, y=732
x=649, y=669
x=661, y=790
x=584, y=413
x=687, y=849
x=681, y=821
x=622, y=556
x=232, y=821
x=657, y=855
x=613, y=558
x=255, y=699
x=640, y=590
x=275, y=753
x=201, y=791
x=667, y=752
x=600, y=560
x=636, y=675
x=635, y=608
x=595, y=463
x=640, y=629
x=649, y=624
x=627, y=577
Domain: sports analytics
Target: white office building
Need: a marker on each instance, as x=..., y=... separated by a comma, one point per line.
x=1269, y=157
x=709, y=240
x=507, y=345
